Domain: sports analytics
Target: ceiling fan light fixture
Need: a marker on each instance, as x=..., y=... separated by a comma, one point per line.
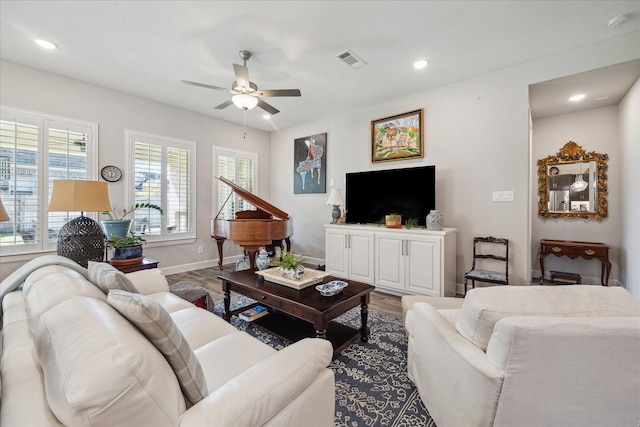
x=244, y=101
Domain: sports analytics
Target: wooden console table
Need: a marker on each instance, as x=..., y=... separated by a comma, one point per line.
x=573, y=250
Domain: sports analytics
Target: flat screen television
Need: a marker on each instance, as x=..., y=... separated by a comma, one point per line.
x=410, y=192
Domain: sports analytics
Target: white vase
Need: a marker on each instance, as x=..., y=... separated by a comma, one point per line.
x=435, y=220
x=262, y=261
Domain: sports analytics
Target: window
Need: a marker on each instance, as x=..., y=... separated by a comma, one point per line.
x=163, y=174
x=35, y=149
x=239, y=167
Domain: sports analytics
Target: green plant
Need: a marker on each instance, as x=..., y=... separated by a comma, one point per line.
x=287, y=260
x=391, y=216
x=121, y=242
x=113, y=214
x=411, y=223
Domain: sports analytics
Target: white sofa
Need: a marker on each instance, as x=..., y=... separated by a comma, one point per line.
x=527, y=356
x=70, y=358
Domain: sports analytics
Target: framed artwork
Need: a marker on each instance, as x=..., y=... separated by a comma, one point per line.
x=397, y=137
x=310, y=164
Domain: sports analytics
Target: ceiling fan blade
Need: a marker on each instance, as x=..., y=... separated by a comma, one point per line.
x=268, y=108
x=280, y=92
x=242, y=75
x=225, y=104
x=209, y=86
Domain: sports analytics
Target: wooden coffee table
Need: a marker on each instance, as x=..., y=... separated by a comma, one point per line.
x=296, y=314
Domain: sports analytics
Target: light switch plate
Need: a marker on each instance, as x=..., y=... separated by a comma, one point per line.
x=503, y=196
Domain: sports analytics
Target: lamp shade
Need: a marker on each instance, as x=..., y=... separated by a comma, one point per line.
x=335, y=198
x=244, y=101
x=3, y=213
x=76, y=195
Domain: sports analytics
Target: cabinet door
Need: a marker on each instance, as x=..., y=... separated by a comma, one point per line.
x=423, y=270
x=336, y=253
x=361, y=256
x=389, y=262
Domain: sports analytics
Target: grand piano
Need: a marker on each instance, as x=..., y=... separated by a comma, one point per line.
x=266, y=226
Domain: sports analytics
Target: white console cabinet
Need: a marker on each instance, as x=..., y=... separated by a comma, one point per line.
x=349, y=253
x=400, y=261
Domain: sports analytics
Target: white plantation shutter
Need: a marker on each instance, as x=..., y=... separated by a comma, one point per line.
x=239, y=167
x=35, y=150
x=163, y=175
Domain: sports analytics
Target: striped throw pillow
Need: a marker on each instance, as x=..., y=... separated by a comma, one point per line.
x=158, y=326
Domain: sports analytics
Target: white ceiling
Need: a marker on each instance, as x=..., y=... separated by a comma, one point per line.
x=146, y=48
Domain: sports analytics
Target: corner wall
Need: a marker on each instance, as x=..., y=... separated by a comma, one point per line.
x=629, y=125
x=594, y=130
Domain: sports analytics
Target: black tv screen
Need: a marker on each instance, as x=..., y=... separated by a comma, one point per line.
x=409, y=192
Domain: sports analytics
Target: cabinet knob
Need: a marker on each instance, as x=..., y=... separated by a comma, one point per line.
x=556, y=249
x=589, y=251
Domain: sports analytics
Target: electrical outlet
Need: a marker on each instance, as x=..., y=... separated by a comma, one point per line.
x=503, y=196
x=200, y=249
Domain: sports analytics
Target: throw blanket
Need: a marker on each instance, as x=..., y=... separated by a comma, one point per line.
x=16, y=278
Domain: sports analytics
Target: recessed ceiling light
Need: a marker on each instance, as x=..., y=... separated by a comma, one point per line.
x=420, y=64
x=616, y=21
x=46, y=44
x=576, y=98
x=266, y=116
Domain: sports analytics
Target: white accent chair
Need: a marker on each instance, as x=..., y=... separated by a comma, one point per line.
x=527, y=356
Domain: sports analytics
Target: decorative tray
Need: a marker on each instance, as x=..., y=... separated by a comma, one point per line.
x=310, y=277
x=331, y=288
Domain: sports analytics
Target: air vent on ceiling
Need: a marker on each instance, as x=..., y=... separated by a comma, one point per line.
x=351, y=59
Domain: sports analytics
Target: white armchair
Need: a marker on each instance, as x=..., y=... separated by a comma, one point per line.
x=527, y=356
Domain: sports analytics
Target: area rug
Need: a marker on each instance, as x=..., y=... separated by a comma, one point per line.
x=372, y=387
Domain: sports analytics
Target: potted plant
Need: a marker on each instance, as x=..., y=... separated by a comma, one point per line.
x=290, y=266
x=118, y=225
x=127, y=247
x=393, y=220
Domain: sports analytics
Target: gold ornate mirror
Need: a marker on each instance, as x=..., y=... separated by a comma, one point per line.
x=573, y=184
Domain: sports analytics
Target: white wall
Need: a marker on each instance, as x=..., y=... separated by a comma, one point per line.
x=629, y=130
x=594, y=130
x=31, y=89
x=477, y=135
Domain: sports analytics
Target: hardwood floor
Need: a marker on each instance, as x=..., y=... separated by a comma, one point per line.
x=208, y=278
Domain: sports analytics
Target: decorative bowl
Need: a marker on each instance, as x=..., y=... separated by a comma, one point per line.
x=331, y=288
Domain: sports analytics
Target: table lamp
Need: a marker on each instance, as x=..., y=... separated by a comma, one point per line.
x=81, y=239
x=3, y=213
x=335, y=199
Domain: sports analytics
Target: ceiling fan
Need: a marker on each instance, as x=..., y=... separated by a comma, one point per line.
x=245, y=93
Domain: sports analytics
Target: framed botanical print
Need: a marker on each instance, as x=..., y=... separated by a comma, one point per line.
x=397, y=137
x=310, y=164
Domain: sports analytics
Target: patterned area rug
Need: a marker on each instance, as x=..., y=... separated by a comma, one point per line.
x=372, y=387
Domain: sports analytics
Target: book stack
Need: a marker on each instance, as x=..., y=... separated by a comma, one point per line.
x=253, y=313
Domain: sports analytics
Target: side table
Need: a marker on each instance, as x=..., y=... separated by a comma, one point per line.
x=143, y=264
x=573, y=250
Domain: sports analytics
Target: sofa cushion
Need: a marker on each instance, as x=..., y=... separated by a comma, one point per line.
x=156, y=324
x=107, y=277
x=483, y=307
x=100, y=370
x=52, y=285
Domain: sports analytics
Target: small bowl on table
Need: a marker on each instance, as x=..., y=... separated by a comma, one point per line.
x=332, y=288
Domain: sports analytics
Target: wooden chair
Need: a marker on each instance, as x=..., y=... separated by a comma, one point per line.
x=484, y=249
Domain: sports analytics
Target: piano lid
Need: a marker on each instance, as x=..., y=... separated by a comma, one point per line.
x=255, y=200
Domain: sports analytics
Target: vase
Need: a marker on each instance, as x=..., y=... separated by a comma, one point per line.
x=435, y=220
x=119, y=227
x=262, y=261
